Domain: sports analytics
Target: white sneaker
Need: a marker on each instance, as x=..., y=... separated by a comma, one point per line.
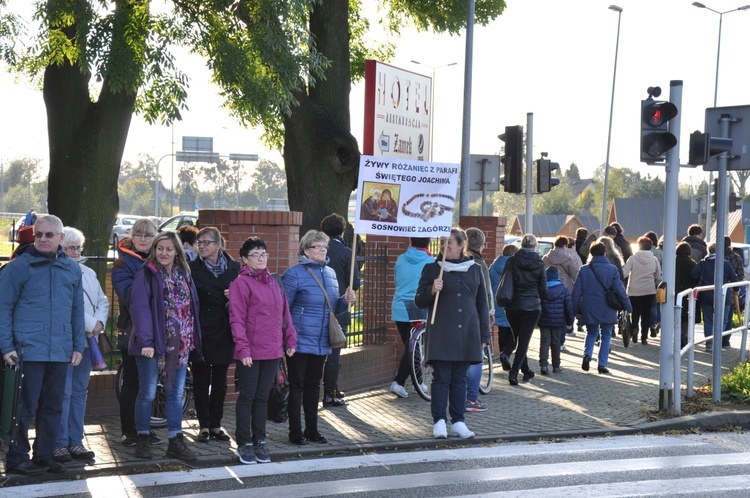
x=399, y=390
x=459, y=429
x=423, y=387
x=439, y=430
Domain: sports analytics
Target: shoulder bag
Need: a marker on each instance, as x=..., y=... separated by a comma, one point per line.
x=336, y=336
x=278, y=398
x=613, y=300
x=505, y=288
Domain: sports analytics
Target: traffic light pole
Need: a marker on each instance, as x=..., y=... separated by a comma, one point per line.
x=529, y=172
x=668, y=350
x=721, y=230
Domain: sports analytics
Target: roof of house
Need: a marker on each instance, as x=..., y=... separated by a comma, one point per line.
x=544, y=225
x=578, y=186
x=638, y=216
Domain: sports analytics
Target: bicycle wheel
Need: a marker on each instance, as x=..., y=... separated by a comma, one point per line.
x=485, y=384
x=421, y=372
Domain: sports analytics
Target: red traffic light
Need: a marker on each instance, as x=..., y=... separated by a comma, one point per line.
x=656, y=114
x=656, y=139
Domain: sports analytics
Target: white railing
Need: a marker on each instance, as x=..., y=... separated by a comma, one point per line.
x=689, y=349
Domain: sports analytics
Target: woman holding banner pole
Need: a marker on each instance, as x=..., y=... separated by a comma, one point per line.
x=457, y=329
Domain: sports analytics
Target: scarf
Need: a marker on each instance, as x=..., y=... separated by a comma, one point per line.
x=462, y=267
x=220, y=266
x=179, y=323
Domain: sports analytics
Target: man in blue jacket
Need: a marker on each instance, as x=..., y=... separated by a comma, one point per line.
x=42, y=323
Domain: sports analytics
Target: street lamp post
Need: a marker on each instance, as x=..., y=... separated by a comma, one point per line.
x=602, y=222
x=432, y=96
x=716, y=91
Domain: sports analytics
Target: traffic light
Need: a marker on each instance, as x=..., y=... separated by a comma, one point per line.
x=703, y=146
x=714, y=195
x=513, y=159
x=544, y=179
x=656, y=139
x=734, y=202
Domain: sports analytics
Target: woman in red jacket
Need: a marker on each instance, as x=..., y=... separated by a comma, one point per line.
x=262, y=330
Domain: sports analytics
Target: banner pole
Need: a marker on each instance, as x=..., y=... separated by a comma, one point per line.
x=354, y=261
x=437, y=296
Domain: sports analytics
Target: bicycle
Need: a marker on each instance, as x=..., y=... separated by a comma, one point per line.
x=421, y=372
x=158, y=409
x=485, y=385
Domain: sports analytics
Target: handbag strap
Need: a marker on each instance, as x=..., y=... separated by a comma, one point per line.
x=325, y=294
x=591, y=267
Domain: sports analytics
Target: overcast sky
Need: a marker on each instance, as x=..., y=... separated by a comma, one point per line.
x=552, y=58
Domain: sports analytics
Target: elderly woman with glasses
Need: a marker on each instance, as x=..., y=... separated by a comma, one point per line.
x=304, y=284
x=132, y=251
x=213, y=272
x=263, y=331
x=165, y=331
x=69, y=443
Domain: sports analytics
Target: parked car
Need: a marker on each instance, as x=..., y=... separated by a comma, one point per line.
x=543, y=244
x=179, y=220
x=121, y=228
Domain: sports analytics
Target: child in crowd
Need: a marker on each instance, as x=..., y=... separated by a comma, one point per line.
x=557, y=315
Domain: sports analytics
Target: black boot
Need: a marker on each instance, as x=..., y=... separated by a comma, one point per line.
x=143, y=447
x=513, y=378
x=177, y=449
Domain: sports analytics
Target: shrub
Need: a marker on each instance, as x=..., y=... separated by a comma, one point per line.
x=736, y=383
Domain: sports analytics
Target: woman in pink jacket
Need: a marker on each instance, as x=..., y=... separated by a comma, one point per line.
x=262, y=330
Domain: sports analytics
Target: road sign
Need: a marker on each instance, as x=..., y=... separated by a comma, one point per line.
x=198, y=144
x=484, y=172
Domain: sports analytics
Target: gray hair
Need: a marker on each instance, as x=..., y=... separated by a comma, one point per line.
x=52, y=220
x=74, y=236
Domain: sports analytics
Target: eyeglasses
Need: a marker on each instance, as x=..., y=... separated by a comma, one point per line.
x=143, y=236
x=205, y=242
x=319, y=247
x=258, y=255
x=48, y=235
x=73, y=248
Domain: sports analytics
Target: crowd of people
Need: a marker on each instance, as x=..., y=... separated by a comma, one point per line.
x=184, y=302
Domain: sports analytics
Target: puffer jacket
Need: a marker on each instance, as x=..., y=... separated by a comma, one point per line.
x=643, y=272
x=96, y=305
x=557, y=307
x=308, y=306
x=41, y=307
x=529, y=280
x=258, y=312
x=496, y=272
x=588, y=294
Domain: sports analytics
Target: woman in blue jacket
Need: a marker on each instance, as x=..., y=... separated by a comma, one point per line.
x=310, y=316
x=589, y=301
x=506, y=341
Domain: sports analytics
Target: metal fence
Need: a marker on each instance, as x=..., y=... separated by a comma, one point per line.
x=369, y=318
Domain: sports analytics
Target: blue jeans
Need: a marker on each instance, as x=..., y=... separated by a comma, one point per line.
x=449, y=385
x=473, y=378
x=41, y=396
x=591, y=332
x=708, y=319
x=148, y=372
x=70, y=432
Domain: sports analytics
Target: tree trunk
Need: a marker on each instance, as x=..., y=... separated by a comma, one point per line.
x=321, y=156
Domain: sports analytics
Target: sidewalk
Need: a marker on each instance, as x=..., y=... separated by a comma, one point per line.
x=572, y=403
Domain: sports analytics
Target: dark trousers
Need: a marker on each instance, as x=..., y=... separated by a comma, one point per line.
x=507, y=343
x=404, y=366
x=305, y=372
x=252, y=402
x=449, y=390
x=128, y=393
x=41, y=396
x=642, y=313
x=209, y=392
x=332, y=369
x=522, y=322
